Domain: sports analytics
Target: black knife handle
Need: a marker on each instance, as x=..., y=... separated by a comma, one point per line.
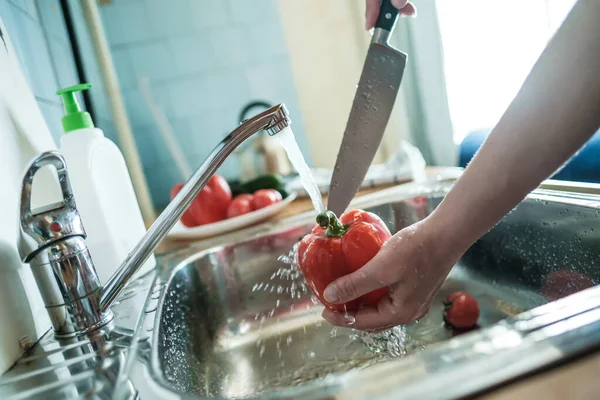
x=387, y=16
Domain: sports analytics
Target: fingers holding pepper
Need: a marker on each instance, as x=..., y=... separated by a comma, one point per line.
x=335, y=249
x=409, y=266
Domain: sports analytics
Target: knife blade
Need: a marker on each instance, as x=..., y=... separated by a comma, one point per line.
x=375, y=96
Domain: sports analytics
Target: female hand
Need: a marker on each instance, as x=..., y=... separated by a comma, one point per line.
x=413, y=264
x=405, y=6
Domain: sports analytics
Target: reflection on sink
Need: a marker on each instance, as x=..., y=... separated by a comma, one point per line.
x=220, y=333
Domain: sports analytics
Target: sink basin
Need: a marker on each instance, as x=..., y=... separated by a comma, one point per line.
x=237, y=320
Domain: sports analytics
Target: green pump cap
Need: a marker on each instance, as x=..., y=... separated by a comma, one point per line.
x=74, y=118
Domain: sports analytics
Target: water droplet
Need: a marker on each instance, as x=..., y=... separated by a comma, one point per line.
x=349, y=319
x=312, y=354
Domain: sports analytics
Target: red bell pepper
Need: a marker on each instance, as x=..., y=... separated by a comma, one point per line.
x=210, y=205
x=336, y=248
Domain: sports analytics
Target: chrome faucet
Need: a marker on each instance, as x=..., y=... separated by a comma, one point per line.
x=52, y=241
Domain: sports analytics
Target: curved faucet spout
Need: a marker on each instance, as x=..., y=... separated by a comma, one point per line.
x=272, y=120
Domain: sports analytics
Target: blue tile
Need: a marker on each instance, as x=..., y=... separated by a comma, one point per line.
x=161, y=95
x=100, y=103
x=215, y=90
x=210, y=50
x=108, y=127
x=124, y=68
x=52, y=114
x=155, y=60
x=170, y=18
x=161, y=179
x=193, y=54
x=210, y=14
x=126, y=23
x=230, y=169
x=33, y=53
x=4, y=11
x=137, y=110
x=12, y=24
x=206, y=130
x=27, y=7
x=265, y=41
x=137, y=106
x=183, y=129
x=272, y=80
x=253, y=12
x=148, y=145
x=230, y=47
x=64, y=66
x=52, y=18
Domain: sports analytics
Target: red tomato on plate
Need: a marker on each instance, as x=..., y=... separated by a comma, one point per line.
x=265, y=197
x=240, y=205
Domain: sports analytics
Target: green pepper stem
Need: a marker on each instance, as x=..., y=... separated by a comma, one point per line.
x=331, y=224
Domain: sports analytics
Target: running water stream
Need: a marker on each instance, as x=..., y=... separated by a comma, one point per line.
x=288, y=142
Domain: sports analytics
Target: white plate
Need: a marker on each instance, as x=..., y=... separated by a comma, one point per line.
x=180, y=231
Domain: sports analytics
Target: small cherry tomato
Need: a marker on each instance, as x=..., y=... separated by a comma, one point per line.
x=187, y=218
x=240, y=205
x=461, y=310
x=265, y=197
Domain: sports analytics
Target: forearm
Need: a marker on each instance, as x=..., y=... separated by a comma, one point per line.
x=556, y=111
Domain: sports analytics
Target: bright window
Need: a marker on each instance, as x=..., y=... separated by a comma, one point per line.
x=489, y=48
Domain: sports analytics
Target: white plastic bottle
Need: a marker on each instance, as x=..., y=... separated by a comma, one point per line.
x=102, y=188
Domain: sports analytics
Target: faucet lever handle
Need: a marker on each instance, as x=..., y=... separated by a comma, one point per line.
x=52, y=222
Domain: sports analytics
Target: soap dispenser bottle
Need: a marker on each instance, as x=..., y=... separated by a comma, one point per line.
x=102, y=186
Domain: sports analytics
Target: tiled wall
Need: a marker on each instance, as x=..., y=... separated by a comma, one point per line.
x=205, y=60
x=37, y=30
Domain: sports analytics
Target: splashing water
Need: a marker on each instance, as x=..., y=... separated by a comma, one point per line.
x=288, y=142
x=391, y=343
x=349, y=319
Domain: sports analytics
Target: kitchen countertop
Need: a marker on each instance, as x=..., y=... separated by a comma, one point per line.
x=574, y=380
x=577, y=380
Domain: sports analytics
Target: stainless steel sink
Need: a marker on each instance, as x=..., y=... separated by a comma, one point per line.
x=231, y=320
x=228, y=324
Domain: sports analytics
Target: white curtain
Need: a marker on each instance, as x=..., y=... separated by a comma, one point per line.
x=423, y=94
x=488, y=53
x=467, y=59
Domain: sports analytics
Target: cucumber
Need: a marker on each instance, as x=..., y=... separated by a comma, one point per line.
x=273, y=181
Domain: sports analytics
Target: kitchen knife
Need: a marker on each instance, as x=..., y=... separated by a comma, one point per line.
x=371, y=109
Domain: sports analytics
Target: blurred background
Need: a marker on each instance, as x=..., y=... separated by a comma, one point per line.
x=189, y=70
